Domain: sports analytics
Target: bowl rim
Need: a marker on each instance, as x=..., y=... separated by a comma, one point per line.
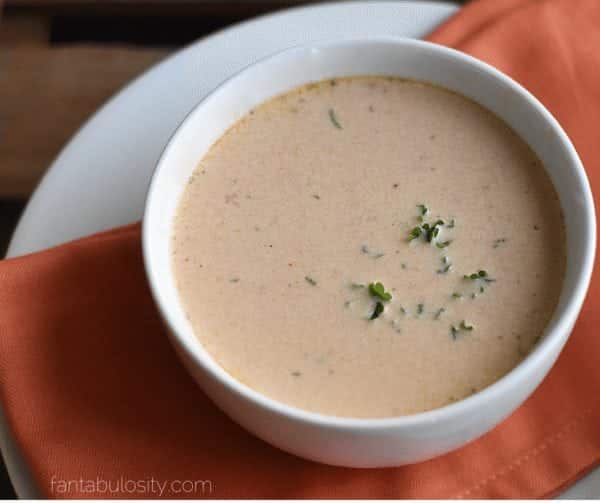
x=554, y=337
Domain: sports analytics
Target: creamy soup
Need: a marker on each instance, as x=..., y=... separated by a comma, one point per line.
x=369, y=247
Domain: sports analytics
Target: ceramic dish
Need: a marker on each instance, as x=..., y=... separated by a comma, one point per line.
x=369, y=442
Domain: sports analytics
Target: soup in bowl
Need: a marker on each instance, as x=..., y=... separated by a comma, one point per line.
x=369, y=252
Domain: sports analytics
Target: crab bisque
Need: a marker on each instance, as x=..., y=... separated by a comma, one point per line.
x=369, y=247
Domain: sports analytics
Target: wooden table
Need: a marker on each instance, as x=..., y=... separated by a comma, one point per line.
x=49, y=88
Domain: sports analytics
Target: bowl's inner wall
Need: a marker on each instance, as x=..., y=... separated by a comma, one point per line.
x=402, y=58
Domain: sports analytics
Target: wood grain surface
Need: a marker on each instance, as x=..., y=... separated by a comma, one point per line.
x=48, y=91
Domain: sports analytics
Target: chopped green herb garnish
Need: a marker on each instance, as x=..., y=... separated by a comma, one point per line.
x=403, y=310
x=234, y=280
x=378, y=290
x=414, y=234
x=463, y=327
x=443, y=244
x=377, y=311
x=453, y=332
x=451, y=224
x=438, y=313
x=403, y=265
x=310, y=280
x=333, y=118
x=423, y=210
x=481, y=289
x=431, y=231
x=428, y=231
x=483, y=275
x=420, y=308
x=456, y=295
x=356, y=286
x=435, y=230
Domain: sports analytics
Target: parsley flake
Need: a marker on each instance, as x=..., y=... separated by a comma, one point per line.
x=377, y=311
x=378, y=290
x=334, y=120
x=310, y=280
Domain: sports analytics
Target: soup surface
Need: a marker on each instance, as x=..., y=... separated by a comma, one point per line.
x=369, y=247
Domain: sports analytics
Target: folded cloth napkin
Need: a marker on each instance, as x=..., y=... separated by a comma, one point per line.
x=99, y=405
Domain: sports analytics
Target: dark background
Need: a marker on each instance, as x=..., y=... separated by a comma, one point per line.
x=38, y=33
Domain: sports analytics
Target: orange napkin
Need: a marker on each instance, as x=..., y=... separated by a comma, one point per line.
x=100, y=406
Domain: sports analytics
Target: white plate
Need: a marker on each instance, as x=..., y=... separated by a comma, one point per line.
x=100, y=178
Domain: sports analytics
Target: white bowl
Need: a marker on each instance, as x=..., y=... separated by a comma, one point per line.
x=369, y=442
